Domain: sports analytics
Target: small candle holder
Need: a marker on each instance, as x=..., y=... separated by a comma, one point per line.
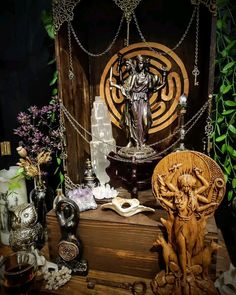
x=90, y=179
x=5, y=148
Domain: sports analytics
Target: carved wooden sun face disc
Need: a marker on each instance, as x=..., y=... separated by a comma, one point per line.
x=189, y=176
x=164, y=103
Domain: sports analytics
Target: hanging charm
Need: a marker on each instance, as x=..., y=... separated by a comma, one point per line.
x=128, y=17
x=196, y=71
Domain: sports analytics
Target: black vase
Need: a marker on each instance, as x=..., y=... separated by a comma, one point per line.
x=38, y=198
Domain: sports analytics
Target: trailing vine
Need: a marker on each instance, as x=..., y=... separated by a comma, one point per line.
x=47, y=21
x=224, y=113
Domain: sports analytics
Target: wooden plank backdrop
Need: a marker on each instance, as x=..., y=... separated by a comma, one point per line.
x=95, y=25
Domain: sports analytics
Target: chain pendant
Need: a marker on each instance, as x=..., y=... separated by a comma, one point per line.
x=71, y=75
x=196, y=73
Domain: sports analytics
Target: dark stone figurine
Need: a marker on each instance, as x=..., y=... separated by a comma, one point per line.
x=70, y=247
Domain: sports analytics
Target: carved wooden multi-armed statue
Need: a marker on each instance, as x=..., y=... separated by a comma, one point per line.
x=190, y=186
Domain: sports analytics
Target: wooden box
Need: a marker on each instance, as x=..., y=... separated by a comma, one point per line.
x=120, y=245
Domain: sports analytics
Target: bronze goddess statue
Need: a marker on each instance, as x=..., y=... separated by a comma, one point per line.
x=137, y=88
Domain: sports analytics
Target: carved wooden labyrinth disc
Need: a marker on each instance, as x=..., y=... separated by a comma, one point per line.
x=164, y=103
x=192, y=174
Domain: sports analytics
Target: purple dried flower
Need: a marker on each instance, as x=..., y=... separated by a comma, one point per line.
x=39, y=129
x=23, y=118
x=34, y=111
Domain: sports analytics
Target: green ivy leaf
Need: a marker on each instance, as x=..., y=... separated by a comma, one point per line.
x=234, y=183
x=232, y=129
x=46, y=18
x=220, y=138
x=220, y=119
x=54, y=91
x=230, y=45
x=224, y=148
x=50, y=31
x=230, y=149
x=58, y=161
x=228, y=66
x=226, y=177
x=219, y=24
x=230, y=103
x=228, y=112
x=230, y=195
x=225, y=88
x=61, y=176
x=54, y=79
x=51, y=62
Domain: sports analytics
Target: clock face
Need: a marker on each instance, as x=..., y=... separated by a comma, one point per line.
x=67, y=250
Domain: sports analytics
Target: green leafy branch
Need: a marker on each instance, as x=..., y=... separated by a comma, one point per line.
x=224, y=113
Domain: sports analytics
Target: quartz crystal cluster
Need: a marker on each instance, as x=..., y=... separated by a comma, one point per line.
x=104, y=192
x=102, y=142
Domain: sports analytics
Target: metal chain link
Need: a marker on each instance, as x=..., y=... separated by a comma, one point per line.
x=190, y=123
x=178, y=43
x=197, y=35
x=106, y=50
x=63, y=155
x=196, y=71
x=71, y=70
x=127, y=6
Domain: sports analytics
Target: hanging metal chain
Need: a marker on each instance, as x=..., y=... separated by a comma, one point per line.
x=196, y=71
x=178, y=43
x=209, y=126
x=71, y=69
x=210, y=4
x=188, y=126
x=62, y=11
x=106, y=50
x=63, y=155
x=128, y=7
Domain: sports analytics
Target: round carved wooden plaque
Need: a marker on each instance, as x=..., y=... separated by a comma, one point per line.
x=192, y=174
x=164, y=103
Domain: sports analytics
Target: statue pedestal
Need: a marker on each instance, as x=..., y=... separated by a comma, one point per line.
x=133, y=175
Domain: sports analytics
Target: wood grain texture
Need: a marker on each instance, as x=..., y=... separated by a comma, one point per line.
x=113, y=243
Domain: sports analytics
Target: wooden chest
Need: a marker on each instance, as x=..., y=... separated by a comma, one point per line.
x=120, y=245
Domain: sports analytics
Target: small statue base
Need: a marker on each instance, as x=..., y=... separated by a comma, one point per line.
x=78, y=267
x=134, y=176
x=144, y=152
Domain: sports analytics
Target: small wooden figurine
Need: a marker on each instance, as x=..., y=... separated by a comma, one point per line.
x=70, y=247
x=190, y=186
